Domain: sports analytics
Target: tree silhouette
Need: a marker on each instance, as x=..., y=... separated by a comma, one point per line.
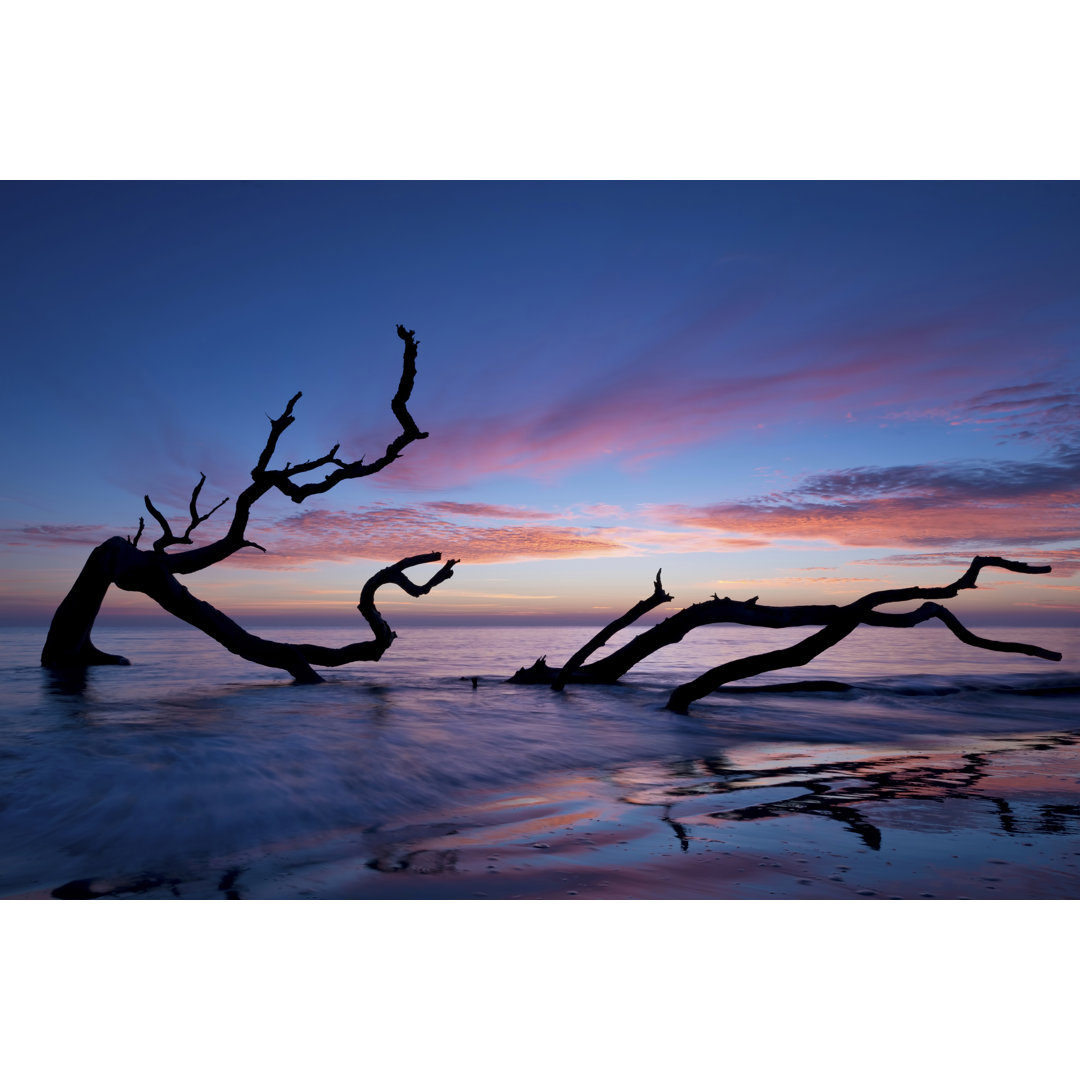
x=119, y=561
x=836, y=622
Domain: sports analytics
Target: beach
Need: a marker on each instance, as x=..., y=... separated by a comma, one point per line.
x=145, y=784
x=994, y=820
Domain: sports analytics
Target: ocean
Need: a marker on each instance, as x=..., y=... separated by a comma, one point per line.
x=195, y=774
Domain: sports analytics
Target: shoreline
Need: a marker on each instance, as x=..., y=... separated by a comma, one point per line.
x=992, y=817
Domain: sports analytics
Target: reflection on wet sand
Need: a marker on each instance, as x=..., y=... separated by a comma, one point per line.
x=992, y=819
x=844, y=790
x=936, y=816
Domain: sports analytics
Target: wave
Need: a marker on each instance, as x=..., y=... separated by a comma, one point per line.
x=923, y=686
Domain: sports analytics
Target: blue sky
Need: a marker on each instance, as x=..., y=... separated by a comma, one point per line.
x=799, y=390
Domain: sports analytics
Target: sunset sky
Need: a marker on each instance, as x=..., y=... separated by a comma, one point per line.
x=802, y=391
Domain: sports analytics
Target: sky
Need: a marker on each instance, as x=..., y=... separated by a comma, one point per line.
x=803, y=391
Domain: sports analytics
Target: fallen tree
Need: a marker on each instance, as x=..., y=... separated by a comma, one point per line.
x=836, y=621
x=119, y=561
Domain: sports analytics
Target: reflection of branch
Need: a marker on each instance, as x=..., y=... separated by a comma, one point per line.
x=680, y=832
x=846, y=791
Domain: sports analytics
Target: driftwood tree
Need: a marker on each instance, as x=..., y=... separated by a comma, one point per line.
x=836, y=622
x=119, y=561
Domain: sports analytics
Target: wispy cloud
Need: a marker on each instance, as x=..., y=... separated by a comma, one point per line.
x=475, y=509
x=53, y=535
x=392, y=532
x=1064, y=560
x=636, y=419
x=389, y=532
x=1045, y=410
x=1007, y=503
x=793, y=580
x=726, y=367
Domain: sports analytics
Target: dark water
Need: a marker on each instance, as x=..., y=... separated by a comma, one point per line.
x=169, y=767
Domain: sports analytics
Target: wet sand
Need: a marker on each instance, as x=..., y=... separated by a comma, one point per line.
x=993, y=818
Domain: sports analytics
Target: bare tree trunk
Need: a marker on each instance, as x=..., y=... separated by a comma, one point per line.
x=68, y=643
x=860, y=612
x=836, y=622
x=540, y=672
x=640, y=608
x=119, y=561
x=611, y=668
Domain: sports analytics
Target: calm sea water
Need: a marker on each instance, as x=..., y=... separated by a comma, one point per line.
x=191, y=753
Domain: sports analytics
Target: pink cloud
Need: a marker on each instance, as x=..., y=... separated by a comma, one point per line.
x=488, y=510
x=1004, y=503
x=1063, y=560
x=630, y=423
x=390, y=533
x=387, y=532
x=890, y=522
x=697, y=387
x=55, y=535
x=598, y=510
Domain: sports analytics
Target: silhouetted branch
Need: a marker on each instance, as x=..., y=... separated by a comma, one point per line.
x=931, y=610
x=264, y=478
x=861, y=611
x=611, y=668
x=119, y=561
x=276, y=428
x=615, y=665
x=167, y=539
x=409, y=433
x=389, y=575
x=640, y=608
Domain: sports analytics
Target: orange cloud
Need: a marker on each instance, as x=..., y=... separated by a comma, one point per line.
x=386, y=532
x=892, y=522
x=392, y=532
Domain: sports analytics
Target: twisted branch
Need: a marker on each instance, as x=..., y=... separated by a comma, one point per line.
x=282, y=479
x=119, y=561
x=264, y=478
x=861, y=611
x=137, y=572
x=389, y=575
x=640, y=608
x=167, y=539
